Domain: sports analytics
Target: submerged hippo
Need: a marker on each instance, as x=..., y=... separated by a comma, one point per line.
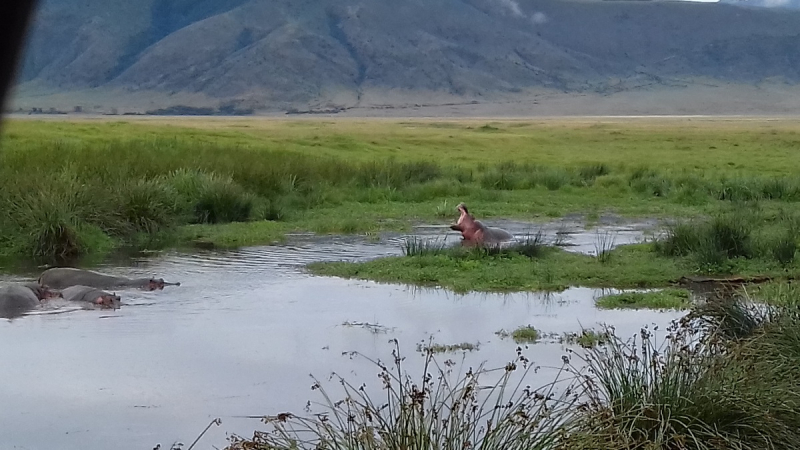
x=91, y=295
x=476, y=233
x=18, y=299
x=64, y=277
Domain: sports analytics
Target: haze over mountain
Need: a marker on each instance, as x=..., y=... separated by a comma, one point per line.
x=300, y=54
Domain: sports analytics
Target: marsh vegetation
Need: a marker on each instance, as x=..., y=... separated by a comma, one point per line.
x=723, y=377
x=526, y=334
x=745, y=240
x=79, y=188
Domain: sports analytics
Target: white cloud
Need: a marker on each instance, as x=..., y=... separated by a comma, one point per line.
x=512, y=6
x=538, y=18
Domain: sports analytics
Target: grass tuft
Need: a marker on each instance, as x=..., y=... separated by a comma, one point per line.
x=523, y=334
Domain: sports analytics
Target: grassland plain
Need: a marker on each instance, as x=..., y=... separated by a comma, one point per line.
x=84, y=186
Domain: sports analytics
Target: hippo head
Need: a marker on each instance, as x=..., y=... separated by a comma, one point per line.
x=155, y=284
x=471, y=229
x=465, y=216
x=44, y=292
x=108, y=301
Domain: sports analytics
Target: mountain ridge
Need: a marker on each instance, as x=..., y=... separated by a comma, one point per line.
x=282, y=55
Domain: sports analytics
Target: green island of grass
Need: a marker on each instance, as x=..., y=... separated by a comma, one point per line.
x=660, y=299
x=647, y=265
x=521, y=335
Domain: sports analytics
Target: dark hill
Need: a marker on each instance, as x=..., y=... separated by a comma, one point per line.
x=279, y=54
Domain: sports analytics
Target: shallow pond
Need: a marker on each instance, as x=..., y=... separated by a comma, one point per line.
x=241, y=335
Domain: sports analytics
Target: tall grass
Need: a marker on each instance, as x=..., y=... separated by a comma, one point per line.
x=682, y=394
x=211, y=198
x=531, y=246
x=603, y=246
x=149, y=182
x=441, y=409
x=739, y=233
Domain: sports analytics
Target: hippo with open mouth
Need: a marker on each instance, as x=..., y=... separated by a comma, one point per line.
x=91, y=295
x=17, y=299
x=64, y=277
x=474, y=232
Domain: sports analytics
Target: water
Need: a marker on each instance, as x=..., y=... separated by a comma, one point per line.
x=241, y=335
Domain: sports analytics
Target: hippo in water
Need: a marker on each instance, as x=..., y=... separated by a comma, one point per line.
x=476, y=233
x=18, y=299
x=91, y=295
x=64, y=277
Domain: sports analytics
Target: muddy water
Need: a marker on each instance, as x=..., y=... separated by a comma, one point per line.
x=241, y=335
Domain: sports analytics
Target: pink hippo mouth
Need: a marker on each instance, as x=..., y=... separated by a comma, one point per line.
x=462, y=208
x=466, y=223
x=107, y=302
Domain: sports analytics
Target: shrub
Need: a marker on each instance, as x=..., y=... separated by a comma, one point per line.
x=147, y=205
x=211, y=198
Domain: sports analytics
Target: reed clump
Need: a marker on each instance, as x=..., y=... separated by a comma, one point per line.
x=741, y=233
x=441, y=409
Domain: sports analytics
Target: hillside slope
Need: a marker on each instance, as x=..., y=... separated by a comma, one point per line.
x=281, y=54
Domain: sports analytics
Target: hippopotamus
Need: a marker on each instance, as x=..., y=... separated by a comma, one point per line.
x=91, y=295
x=474, y=232
x=64, y=277
x=18, y=299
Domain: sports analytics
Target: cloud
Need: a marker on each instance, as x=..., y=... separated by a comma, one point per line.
x=538, y=18
x=512, y=6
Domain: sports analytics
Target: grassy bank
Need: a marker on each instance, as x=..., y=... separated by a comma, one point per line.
x=724, y=377
x=743, y=241
x=72, y=189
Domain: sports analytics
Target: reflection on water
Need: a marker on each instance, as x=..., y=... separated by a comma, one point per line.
x=239, y=337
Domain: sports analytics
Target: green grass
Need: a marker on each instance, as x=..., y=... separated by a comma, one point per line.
x=75, y=188
x=660, y=299
x=743, y=232
x=679, y=395
x=525, y=334
x=741, y=239
x=629, y=266
x=777, y=293
x=522, y=335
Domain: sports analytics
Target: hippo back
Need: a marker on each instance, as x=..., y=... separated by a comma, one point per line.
x=16, y=300
x=80, y=293
x=87, y=294
x=64, y=277
x=496, y=235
